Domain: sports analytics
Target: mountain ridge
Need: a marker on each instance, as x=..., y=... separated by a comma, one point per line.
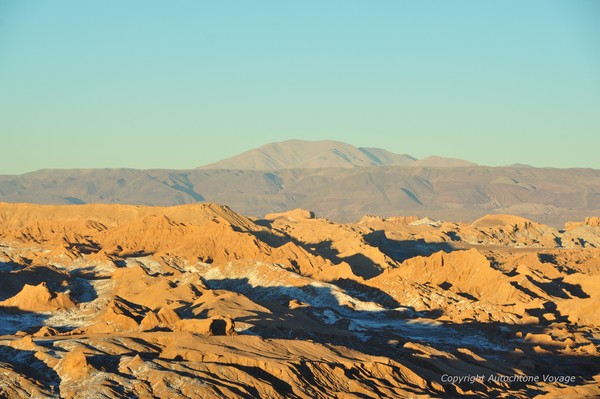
x=303, y=154
x=334, y=179
x=552, y=196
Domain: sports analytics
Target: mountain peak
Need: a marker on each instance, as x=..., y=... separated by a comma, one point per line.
x=302, y=154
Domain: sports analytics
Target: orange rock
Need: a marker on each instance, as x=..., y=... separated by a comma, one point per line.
x=38, y=299
x=74, y=366
x=211, y=326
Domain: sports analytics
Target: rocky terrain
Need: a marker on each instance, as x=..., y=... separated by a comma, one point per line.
x=198, y=301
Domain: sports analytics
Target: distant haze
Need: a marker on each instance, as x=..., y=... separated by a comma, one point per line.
x=335, y=180
x=176, y=85
x=294, y=154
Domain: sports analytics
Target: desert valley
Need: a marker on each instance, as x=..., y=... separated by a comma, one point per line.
x=198, y=301
x=299, y=200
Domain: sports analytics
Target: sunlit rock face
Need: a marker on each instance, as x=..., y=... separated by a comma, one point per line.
x=198, y=301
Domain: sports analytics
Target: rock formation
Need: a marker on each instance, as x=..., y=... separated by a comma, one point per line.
x=198, y=301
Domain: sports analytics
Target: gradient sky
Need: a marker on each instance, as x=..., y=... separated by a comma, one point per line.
x=178, y=84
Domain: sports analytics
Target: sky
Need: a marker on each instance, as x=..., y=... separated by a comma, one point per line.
x=179, y=84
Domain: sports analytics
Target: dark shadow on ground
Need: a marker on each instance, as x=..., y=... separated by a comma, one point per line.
x=361, y=264
x=483, y=348
x=13, y=281
x=400, y=250
x=13, y=278
x=25, y=364
x=559, y=288
x=366, y=293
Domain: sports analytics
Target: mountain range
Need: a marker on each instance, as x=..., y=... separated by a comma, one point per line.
x=335, y=180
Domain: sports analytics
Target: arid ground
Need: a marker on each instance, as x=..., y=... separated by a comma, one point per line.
x=197, y=301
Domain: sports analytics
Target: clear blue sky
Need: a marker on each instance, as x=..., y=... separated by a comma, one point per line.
x=178, y=84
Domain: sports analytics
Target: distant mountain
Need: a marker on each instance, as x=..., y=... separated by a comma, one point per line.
x=441, y=162
x=546, y=195
x=299, y=154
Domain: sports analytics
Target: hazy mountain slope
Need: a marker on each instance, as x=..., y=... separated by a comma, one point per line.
x=441, y=162
x=76, y=186
x=551, y=196
x=294, y=154
x=385, y=157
